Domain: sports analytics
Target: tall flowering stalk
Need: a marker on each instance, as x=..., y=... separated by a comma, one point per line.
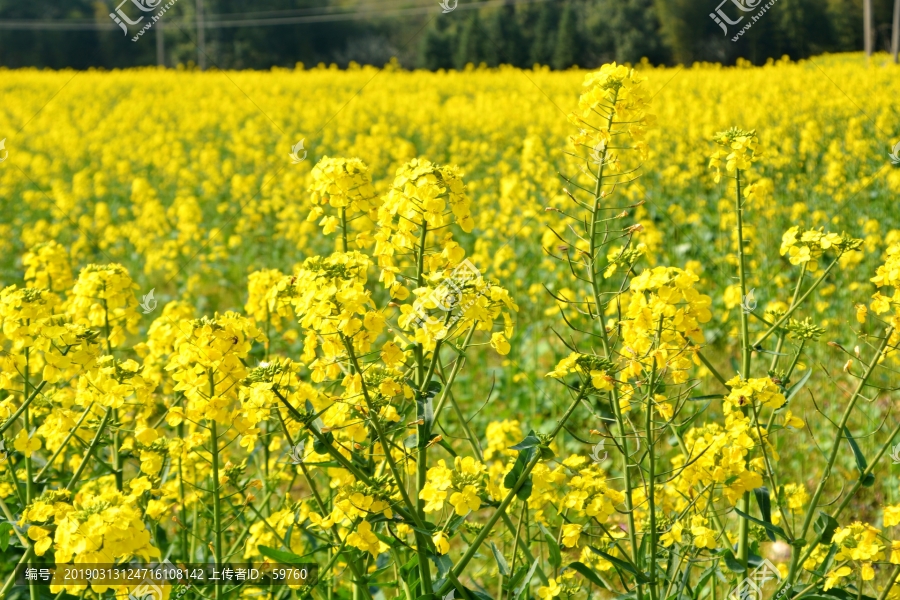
x=644, y=347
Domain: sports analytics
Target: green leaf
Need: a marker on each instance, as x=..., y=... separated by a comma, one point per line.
x=524, y=492
x=513, y=582
x=707, y=397
x=409, y=567
x=765, y=507
x=586, y=572
x=477, y=595
x=530, y=441
x=521, y=587
x=733, y=564
x=501, y=562
x=687, y=424
x=553, y=547
x=454, y=523
x=838, y=593
x=5, y=529
x=706, y=575
x=411, y=441
x=280, y=556
x=772, y=529
x=638, y=576
x=446, y=446
x=546, y=452
x=386, y=539
x=792, y=391
x=425, y=410
x=861, y=463
x=825, y=525
x=442, y=563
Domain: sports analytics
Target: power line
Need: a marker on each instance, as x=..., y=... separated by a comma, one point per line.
x=220, y=22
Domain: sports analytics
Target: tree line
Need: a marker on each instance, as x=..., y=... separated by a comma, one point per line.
x=558, y=33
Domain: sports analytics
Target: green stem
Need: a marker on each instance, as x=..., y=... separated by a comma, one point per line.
x=116, y=462
x=217, y=507
x=182, y=530
x=12, y=576
x=512, y=562
x=26, y=558
x=65, y=441
x=90, y=450
x=416, y=510
x=421, y=430
x=781, y=334
x=791, y=310
x=604, y=339
x=855, y=488
x=29, y=483
x=457, y=365
x=770, y=472
x=12, y=521
x=712, y=369
x=814, y=502
x=651, y=475
x=342, y=211
x=13, y=417
x=332, y=451
x=320, y=503
x=504, y=504
x=743, y=524
x=890, y=583
x=398, y=560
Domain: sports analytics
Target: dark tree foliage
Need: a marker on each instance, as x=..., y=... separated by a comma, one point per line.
x=559, y=33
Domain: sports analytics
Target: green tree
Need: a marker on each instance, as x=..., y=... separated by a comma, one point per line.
x=543, y=38
x=686, y=27
x=471, y=44
x=505, y=43
x=626, y=29
x=436, y=51
x=567, y=48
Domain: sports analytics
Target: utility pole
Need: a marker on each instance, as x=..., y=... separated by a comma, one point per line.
x=201, y=37
x=160, y=44
x=895, y=32
x=867, y=26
